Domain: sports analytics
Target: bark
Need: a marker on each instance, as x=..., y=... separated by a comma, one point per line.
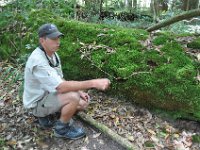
x=75, y=9
x=185, y=15
x=194, y=4
x=189, y=4
x=122, y=141
x=134, y=5
x=199, y=4
x=100, y=7
x=157, y=7
x=153, y=7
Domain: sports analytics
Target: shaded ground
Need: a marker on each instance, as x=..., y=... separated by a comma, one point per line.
x=143, y=128
x=20, y=130
x=30, y=136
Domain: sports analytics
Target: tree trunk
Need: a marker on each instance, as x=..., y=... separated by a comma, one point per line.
x=106, y=4
x=130, y=7
x=187, y=5
x=185, y=15
x=75, y=9
x=154, y=9
x=194, y=4
x=199, y=4
x=134, y=5
x=101, y=7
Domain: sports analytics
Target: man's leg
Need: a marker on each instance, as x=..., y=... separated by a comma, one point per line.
x=69, y=102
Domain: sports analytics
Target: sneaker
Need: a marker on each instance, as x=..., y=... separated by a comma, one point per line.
x=67, y=130
x=45, y=122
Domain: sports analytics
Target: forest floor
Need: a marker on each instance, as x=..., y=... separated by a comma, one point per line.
x=144, y=129
x=20, y=130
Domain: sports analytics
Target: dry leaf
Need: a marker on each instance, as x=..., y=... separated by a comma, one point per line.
x=151, y=131
x=198, y=57
x=12, y=142
x=101, y=34
x=86, y=140
x=96, y=135
x=154, y=139
x=84, y=148
x=178, y=145
x=130, y=138
x=112, y=116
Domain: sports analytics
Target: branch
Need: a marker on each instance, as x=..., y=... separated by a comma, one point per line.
x=185, y=15
x=122, y=141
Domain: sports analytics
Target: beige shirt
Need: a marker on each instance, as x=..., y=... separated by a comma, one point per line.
x=40, y=78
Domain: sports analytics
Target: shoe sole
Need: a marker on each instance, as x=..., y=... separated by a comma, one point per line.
x=61, y=136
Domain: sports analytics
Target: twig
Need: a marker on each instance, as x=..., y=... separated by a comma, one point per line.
x=13, y=44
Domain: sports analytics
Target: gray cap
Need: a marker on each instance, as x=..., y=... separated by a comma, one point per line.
x=49, y=30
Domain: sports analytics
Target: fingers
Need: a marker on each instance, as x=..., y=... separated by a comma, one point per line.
x=106, y=84
x=85, y=97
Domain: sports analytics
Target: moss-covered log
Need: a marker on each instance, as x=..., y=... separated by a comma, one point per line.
x=164, y=79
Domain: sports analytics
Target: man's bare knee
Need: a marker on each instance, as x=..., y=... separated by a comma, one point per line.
x=70, y=97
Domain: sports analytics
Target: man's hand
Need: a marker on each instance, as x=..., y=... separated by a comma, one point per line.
x=102, y=84
x=84, y=96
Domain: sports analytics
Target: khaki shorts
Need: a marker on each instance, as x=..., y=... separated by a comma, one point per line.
x=48, y=105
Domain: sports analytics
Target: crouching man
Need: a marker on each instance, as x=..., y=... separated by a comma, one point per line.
x=45, y=90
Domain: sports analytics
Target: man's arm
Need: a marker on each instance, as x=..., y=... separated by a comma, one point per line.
x=67, y=86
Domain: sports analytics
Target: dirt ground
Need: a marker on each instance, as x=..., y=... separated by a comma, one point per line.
x=22, y=131
x=94, y=140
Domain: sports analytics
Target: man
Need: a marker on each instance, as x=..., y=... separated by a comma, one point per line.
x=45, y=90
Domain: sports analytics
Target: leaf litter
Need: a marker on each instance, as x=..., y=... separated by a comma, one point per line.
x=19, y=129
x=140, y=126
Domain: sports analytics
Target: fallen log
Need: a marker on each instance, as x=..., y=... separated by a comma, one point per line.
x=185, y=15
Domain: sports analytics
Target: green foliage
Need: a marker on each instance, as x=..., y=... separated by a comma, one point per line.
x=2, y=142
x=194, y=44
x=162, y=39
x=149, y=144
x=196, y=138
x=22, y=17
x=141, y=23
x=12, y=74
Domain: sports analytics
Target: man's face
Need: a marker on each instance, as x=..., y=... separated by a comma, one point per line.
x=50, y=45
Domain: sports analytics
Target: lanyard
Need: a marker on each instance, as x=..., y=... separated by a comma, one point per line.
x=50, y=63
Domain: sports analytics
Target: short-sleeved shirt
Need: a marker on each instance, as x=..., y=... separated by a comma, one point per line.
x=40, y=78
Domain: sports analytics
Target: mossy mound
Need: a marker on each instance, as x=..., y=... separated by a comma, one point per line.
x=194, y=44
x=162, y=39
x=163, y=79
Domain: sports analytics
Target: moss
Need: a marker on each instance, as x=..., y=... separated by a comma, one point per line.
x=2, y=142
x=194, y=44
x=162, y=39
x=196, y=138
x=149, y=144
